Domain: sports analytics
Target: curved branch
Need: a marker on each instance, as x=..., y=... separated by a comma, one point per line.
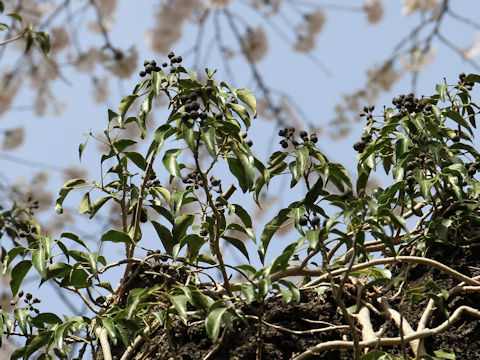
x=340, y=344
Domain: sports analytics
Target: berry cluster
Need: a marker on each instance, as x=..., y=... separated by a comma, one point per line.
x=472, y=168
x=289, y=135
x=195, y=179
x=362, y=144
x=29, y=300
x=467, y=85
x=408, y=104
x=149, y=67
x=152, y=65
x=192, y=108
x=421, y=161
x=304, y=220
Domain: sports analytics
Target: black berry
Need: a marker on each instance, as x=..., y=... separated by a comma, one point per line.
x=303, y=220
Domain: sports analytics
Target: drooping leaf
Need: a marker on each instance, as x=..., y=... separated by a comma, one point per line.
x=247, y=97
x=137, y=159
x=165, y=237
x=18, y=274
x=40, y=339
x=270, y=229
x=213, y=322
x=66, y=188
x=239, y=244
x=84, y=207
x=208, y=138
x=125, y=104
x=97, y=204
x=117, y=237
x=39, y=261
x=170, y=161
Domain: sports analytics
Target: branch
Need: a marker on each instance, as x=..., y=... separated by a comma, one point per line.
x=340, y=344
x=103, y=337
x=299, y=332
x=403, y=325
x=391, y=260
x=363, y=318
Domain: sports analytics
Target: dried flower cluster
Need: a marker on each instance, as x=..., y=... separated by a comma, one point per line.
x=374, y=10
x=13, y=138
x=379, y=79
x=169, y=20
x=419, y=59
x=255, y=44
x=309, y=30
x=424, y=6
x=473, y=50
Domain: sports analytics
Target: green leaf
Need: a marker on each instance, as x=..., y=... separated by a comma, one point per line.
x=163, y=132
x=157, y=77
x=110, y=327
x=208, y=138
x=98, y=204
x=270, y=229
x=441, y=91
x=125, y=104
x=181, y=225
x=22, y=316
x=243, y=215
x=41, y=339
x=179, y=302
x=247, y=97
x=137, y=159
x=58, y=270
x=189, y=137
x=165, y=237
x=472, y=78
x=445, y=354
x=75, y=238
x=312, y=237
x=66, y=188
x=46, y=318
x=15, y=16
x=375, y=355
x=239, y=244
x=291, y=286
x=315, y=191
x=122, y=144
x=213, y=322
x=117, y=237
x=133, y=301
x=18, y=274
x=455, y=116
x=236, y=169
x=84, y=207
x=170, y=161
x=301, y=161
x=247, y=163
x=39, y=261
x=242, y=112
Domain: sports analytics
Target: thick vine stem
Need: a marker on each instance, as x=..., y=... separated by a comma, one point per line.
x=218, y=219
x=384, y=261
x=103, y=337
x=341, y=344
x=403, y=325
x=133, y=347
x=363, y=318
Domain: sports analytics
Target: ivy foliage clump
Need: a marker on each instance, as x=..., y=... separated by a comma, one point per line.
x=349, y=234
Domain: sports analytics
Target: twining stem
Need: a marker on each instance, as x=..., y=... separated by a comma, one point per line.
x=218, y=221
